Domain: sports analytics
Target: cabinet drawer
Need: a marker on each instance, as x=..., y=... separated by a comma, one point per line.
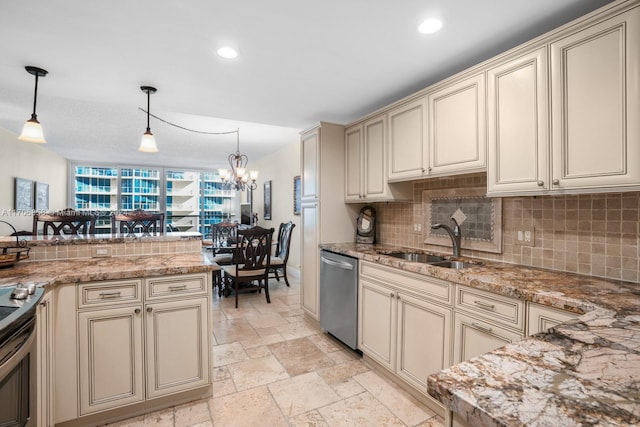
x=493, y=307
x=541, y=318
x=105, y=293
x=473, y=337
x=428, y=287
x=162, y=287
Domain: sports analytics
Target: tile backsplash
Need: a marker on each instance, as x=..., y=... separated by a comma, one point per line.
x=593, y=234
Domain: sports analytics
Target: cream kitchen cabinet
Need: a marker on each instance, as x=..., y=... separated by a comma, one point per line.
x=517, y=124
x=484, y=321
x=457, y=140
x=408, y=150
x=585, y=136
x=595, y=105
x=44, y=360
x=129, y=342
x=366, y=164
x=540, y=317
x=402, y=328
x=325, y=217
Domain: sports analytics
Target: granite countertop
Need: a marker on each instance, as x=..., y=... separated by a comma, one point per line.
x=50, y=273
x=583, y=372
x=99, y=239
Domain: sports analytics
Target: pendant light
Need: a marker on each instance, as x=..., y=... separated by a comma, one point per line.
x=148, y=142
x=32, y=131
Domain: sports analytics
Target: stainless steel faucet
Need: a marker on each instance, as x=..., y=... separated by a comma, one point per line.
x=455, y=234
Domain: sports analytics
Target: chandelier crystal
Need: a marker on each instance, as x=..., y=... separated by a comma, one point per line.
x=237, y=177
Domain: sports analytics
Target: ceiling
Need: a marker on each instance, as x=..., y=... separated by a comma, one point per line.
x=300, y=62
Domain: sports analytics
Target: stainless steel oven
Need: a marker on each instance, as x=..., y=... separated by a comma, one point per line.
x=18, y=379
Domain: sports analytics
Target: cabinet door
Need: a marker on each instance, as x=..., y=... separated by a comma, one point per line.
x=518, y=125
x=309, y=152
x=44, y=333
x=110, y=352
x=408, y=154
x=376, y=322
x=595, y=93
x=473, y=337
x=424, y=339
x=540, y=318
x=177, y=348
x=375, y=159
x=457, y=141
x=353, y=164
x=310, y=259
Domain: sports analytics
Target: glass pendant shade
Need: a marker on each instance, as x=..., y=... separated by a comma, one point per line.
x=32, y=131
x=148, y=143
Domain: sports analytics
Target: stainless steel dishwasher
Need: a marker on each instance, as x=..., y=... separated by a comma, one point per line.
x=339, y=297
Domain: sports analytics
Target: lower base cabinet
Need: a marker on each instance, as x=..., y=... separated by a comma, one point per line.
x=44, y=334
x=407, y=334
x=136, y=340
x=473, y=337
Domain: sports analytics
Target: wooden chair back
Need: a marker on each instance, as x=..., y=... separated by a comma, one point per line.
x=253, y=252
x=138, y=221
x=224, y=234
x=284, y=240
x=67, y=222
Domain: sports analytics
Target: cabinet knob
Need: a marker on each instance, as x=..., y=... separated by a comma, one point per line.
x=422, y=170
x=391, y=294
x=397, y=296
x=137, y=311
x=149, y=309
x=540, y=183
x=429, y=169
x=556, y=182
x=43, y=303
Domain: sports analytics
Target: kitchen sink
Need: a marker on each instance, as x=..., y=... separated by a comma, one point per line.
x=417, y=257
x=458, y=265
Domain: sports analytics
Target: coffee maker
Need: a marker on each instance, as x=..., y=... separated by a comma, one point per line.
x=366, y=232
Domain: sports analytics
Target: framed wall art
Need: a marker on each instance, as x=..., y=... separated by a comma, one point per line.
x=296, y=195
x=267, y=200
x=42, y=196
x=23, y=194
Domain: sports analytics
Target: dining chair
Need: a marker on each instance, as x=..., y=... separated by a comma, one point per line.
x=67, y=222
x=223, y=238
x=281, y=256
x=138, y=221
x=251, y=263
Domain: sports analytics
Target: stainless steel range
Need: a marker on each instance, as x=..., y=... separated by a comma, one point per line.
x=18, y=355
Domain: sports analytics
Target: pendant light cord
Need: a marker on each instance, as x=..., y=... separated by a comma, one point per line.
x=187, y=129
x=148, y=108
x=35, y=97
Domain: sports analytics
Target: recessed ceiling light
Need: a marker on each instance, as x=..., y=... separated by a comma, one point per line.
x=227, y=52
x=430, y=26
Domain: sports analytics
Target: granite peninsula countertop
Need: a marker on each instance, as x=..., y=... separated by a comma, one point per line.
x=100, y=239
x=583, y=372
x=51, y=273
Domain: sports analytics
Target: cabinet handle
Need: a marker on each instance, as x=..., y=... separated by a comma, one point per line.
x=44, y=303
x=178, y=288
x=556, y=182
x=137, y=311
x=482, y=328
x=484, y=305
x=391, y=294
x=423, y=170
x=540, y=183
x=429, y=169
x=149, y=309
x=110, y=294
x=398, y=297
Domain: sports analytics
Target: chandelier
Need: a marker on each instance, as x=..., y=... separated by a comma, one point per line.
x=238, y=178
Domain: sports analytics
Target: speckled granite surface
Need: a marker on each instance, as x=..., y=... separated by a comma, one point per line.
x=50, y=273
x=101, y=239
x=584, y=372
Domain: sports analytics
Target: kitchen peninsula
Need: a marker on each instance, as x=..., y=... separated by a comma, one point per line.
x=580, y=372
x=125, y=324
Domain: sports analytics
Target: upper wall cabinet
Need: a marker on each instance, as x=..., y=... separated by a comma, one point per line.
x=518, y=142
x=457, y=140
x=408, y=152
x=309, y=153
x=586, y=137
x=366, y=164
x=595, y=105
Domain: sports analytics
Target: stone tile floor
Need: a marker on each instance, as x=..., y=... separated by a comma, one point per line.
x=271, y=367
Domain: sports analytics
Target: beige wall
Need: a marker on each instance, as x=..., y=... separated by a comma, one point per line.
x=593, y=234
x=280, y=168
x=29, y=161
